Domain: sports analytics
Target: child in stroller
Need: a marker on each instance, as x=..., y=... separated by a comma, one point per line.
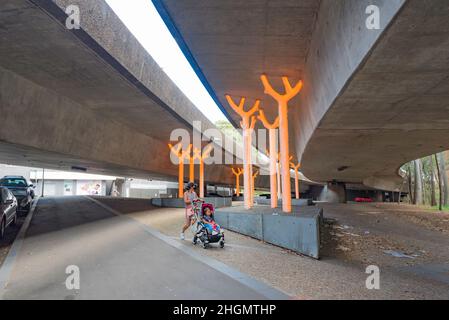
x=207, y=230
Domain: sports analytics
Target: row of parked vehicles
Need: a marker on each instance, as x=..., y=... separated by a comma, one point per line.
x=16, y=196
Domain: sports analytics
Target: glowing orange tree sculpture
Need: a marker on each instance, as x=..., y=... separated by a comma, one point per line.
x=201, y=157
x=296, y=168
x=181, y=155
x=282, y=100
x=248, y=122
x=271, y=127
x=237, y=173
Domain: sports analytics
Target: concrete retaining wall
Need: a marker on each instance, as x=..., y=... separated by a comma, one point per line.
x=217, y=202
x=248, y=224
x=300, y=234
x=297, y=232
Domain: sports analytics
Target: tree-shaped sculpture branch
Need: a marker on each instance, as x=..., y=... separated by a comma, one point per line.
x=240, y=110
x=266, y=123
x=290, y=92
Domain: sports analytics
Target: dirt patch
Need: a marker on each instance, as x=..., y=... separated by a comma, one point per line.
x=384, y=234
x=430, y=219
x=344, y=243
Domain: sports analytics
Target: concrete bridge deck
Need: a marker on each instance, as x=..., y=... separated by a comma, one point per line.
x=373, y=99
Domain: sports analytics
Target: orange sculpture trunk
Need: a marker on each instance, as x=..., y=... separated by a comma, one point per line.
x=296, y=169
x=272, y=153
x=192, y=169
x=181, y=155
x=201, y=157
x=282, y=100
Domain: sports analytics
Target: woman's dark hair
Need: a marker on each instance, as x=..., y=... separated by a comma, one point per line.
x=190, y=185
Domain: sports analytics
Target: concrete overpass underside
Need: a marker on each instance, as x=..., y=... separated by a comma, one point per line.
x=372, y=100
x=91, y=98
x=394, y=107
x=233, y=42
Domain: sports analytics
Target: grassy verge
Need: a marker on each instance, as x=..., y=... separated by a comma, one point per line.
x=445, y=208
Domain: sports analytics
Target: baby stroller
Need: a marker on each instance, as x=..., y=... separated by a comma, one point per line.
x=202, y=233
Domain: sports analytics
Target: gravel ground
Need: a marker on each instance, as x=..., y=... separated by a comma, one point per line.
x=355, y=236
x=361, y=233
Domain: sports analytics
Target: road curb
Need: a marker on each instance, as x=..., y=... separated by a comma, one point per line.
x=260, y=287
x=8, y=264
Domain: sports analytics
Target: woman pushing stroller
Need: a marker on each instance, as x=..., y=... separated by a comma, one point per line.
x=189, y=197
x=197, y=211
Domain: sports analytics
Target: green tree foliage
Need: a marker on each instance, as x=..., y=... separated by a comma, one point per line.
x=423, y=179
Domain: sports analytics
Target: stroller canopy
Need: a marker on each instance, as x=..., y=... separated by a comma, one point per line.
x=207, y=205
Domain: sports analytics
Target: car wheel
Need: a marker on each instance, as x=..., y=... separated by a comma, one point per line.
x=2, y=228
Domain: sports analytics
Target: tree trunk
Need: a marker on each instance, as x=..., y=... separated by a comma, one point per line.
x=418, y=183
x=440, y=185
x=410, y=187
x=433, y=200
x=443, y=178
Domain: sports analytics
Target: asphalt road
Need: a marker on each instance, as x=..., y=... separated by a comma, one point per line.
x=117, y=259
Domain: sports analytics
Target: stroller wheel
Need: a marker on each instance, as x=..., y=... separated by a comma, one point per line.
x=195, y=240
x=222, y=244
x=205, y=245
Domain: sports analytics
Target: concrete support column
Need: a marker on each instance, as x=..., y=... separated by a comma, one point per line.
x=120, y=186
x=335, y=192
x=379, y=196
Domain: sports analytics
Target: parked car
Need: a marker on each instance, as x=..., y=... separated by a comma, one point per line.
x=213, y=194
x=8, y=210
x=22, y=190
x=360, y=199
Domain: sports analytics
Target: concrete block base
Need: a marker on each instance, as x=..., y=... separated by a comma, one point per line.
x=217, y=202
x=299, y=231
x=168, y=202
x=295, y=202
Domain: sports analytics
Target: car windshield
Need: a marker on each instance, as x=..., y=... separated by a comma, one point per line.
x=13, y=182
